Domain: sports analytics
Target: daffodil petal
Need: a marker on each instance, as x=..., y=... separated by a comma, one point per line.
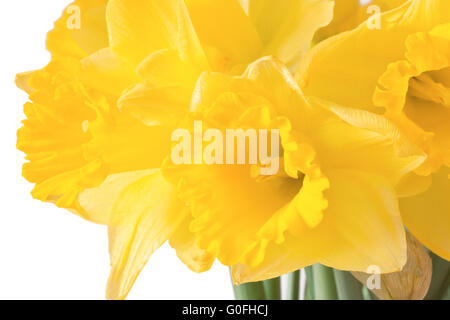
x=412, y=184
x=427, y=215
x=97, y=203
x=107, y=72
x=414, y=92
x=138, y=28
x=167, y=68
x=287, y=27
x=269, y=77
x=22, y=81
x=156, y=105
x=224, y=26
x=145, y=215
x=366, y=141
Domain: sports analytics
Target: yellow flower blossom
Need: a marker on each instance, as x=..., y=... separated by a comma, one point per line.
x=332, y=202
x=101, y=113
x=401, y=70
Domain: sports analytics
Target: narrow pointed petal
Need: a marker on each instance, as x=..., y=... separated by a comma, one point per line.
x=145, y=216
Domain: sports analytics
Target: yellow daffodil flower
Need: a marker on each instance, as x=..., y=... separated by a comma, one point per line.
x=333, y=200
x=400, y=67
x=101, y=113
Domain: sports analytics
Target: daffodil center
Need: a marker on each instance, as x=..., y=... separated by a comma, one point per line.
x=424, y=87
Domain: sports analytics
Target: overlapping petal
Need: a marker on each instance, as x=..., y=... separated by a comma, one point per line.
x=287, y=28
x=426, y=215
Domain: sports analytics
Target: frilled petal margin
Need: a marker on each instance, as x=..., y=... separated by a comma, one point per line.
x=415, y=93
x=362, y=228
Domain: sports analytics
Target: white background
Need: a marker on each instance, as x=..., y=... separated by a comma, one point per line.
x=46, y=252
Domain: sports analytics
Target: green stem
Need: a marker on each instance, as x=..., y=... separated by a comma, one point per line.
x=249, y=291
x=294, y=285
x=309, y=288
x=272, y=288
x=441, y=272
x=324, y=283
x=446, y=295
x=348, y=288
x=366, y=293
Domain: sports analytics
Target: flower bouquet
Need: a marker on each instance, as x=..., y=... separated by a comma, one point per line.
x=308, y=138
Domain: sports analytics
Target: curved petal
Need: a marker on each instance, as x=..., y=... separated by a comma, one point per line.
x=53, y=136
x=267, y=77
x=427, y=215
x=167, y=68
x=107, y=72
x=358, y=139
x=156, y=105
x=287, y=27
x=223, y=27
x=145, y=215
x=23, y=81
x=416, y=94
x=138, y=28
x=361, y=228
